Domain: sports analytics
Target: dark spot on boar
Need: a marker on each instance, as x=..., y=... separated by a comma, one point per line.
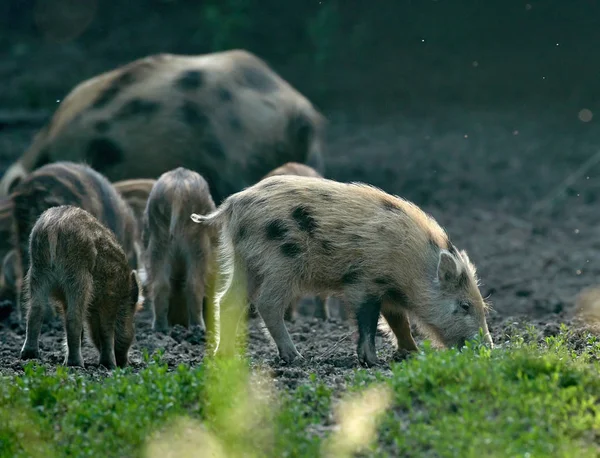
x=137, y=107
x=396, y=295
x=213, y=147
x=113, y=89
x=255, y=78
x=351, y=277
x=291, y=249
x=382, y=281
x=103, y=152
x=102, y=126
x=235, y=123
x=305, y=220
x=193, y=115
x=225, y=95
x=276, y=230
x=327, y=246
x=190, y=80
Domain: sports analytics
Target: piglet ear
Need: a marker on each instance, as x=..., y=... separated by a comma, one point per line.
x=448, y=269
x=135, y=297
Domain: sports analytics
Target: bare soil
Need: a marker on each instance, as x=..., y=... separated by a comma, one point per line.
x=488, y=177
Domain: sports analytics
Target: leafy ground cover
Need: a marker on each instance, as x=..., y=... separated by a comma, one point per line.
x=523, y=398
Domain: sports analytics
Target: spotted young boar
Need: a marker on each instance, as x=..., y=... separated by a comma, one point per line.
x=322, y=304
x=226, y=115
x=288, y=236
x=176, y=255
x=68, y=183
x=79, y=266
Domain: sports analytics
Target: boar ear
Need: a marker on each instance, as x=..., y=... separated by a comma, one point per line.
x=135, y=294
x=448, y=270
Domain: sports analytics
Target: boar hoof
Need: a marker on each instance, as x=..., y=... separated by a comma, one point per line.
x=74, y=361
x=108, y=364
x=290, y=357
x=30, y=353
x=369, y=359
x=160, y=328
x=401, y=354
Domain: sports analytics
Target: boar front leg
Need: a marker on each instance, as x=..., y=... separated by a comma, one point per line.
x=194, y=295
x=367, y=316
x=400, y=326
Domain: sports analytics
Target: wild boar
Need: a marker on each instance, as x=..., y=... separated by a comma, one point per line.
x=176, y=255
x=68, y=183
x=10, y=278
x=288, y=236
x=136, y=192
x=78, y=265
x=226, y=115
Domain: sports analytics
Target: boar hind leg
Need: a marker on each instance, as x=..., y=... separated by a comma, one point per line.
x=35, y=315
x=400, y=325
x=161, y=295
x=194, y=297
x=77, y=297
x=367, y=316
x=321, y=307
x=271, y=305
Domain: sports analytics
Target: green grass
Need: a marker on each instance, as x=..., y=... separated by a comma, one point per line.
x=524, y=400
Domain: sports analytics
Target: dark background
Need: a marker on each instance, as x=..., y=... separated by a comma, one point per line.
x=536, y=55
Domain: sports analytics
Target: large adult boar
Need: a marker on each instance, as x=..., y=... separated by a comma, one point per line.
x=226, y=115
x=68, y=183
x=288, y=236
x=322, y=303
x=78, y=265
x=177, y=257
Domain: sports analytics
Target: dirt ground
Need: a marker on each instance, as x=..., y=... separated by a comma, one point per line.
x=489, y=177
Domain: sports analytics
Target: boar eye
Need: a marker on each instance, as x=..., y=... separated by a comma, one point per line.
x=466, y=305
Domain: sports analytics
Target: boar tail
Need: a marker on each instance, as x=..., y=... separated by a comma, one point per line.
x=211, y=219
x=175, y=212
